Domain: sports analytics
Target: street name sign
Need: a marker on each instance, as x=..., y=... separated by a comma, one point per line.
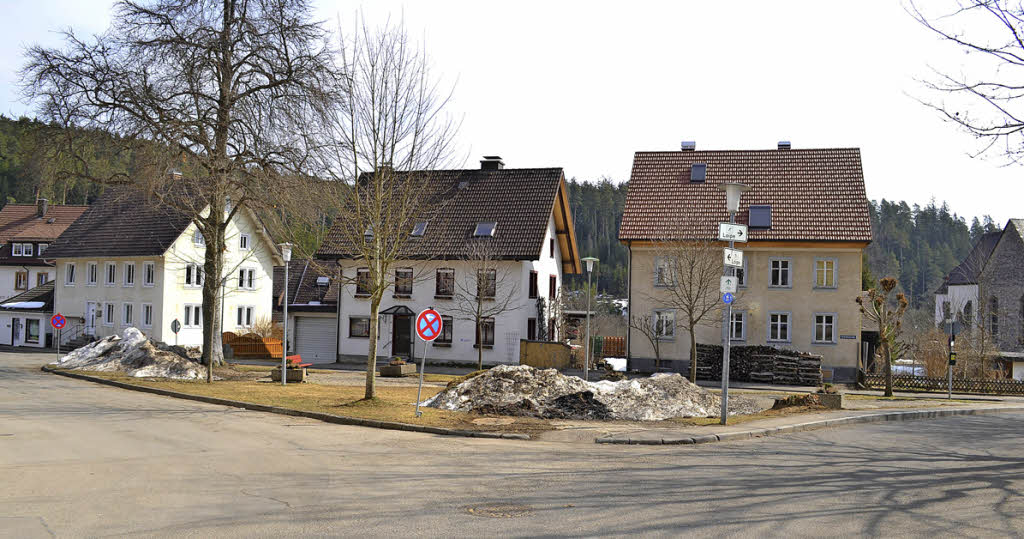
x=733, y=257
x=732, y=232
x=728, y=284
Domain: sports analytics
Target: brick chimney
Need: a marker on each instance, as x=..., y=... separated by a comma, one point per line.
x=41, y=206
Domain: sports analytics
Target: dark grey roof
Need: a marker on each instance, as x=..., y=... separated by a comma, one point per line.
x=123, y=222
x=969, y=269
x=520, y=201
x=303, y=288
x=43, y=292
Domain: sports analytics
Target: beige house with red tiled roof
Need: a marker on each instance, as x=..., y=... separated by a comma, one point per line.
x=802, y=262
x=26, y=230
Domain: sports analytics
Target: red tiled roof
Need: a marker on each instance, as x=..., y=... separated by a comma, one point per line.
x=815, y=194
x=21, y=222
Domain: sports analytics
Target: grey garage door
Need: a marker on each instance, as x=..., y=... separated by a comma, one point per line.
x=315, y=338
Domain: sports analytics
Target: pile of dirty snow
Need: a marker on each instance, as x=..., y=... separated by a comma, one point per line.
x=134, y=355
x=521, y=390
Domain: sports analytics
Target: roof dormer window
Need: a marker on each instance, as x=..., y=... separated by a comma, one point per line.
x=485, y=229
x=698, y=172
x=419, y=229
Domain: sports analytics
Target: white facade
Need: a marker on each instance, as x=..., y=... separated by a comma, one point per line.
x=151, y=292
x=960, y=298
x=24, y=329
x=33, y=276
x=509, y=326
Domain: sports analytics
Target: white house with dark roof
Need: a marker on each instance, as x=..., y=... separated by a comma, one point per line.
x=129, y=262
x=523, y=215
x=808, y=220
x=26, y=231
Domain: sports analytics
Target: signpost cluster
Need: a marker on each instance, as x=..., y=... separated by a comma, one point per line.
x=732, y=259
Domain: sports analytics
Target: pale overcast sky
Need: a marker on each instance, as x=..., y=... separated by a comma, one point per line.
x=583, y=85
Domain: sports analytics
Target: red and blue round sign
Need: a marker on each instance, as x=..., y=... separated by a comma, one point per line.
x=58, y=321
x=428, y=324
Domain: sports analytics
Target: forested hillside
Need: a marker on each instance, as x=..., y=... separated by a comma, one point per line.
x=596, y=211
x=919, y=245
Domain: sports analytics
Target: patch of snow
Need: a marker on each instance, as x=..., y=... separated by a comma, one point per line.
x=524, y=391
x=133, y=354
x=617, y=363
x=23, y=305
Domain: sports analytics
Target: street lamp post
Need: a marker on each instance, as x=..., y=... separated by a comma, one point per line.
x=586, y=360
x=286, y=254
x=732, y=203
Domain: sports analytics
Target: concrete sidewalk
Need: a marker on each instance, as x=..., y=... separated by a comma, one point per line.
x=790, y=424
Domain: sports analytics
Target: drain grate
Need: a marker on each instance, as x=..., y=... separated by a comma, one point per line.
x=499, y=510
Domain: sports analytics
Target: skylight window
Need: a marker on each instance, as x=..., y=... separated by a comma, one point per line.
x=698, y=172
x=485, y=229
x=419, y=228
x=760, y=216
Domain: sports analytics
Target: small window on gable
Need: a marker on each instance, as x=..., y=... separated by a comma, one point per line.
x=760, y=216
x=419, y=229
x=485, y=229
x=698, y=172
x=243, y=242
x=197, y=238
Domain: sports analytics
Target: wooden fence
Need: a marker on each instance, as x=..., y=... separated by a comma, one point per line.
x=252, y=346
x=925, y=383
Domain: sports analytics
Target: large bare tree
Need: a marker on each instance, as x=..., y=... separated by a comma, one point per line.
x=985, y=98
x=391, y=129
x=231, y=93
x=487, y=289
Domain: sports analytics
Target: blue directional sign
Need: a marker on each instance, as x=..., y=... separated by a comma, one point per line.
x=727, y=297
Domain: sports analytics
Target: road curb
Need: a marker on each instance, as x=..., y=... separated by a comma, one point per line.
x=811, y=425
x=328, y=418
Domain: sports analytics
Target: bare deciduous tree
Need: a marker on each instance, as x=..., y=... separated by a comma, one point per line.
x=649, y=327
x=688, y=275
x=391, y=130
x=877, y=308
x=231, y=93
x=488, y=288
x=987, y=101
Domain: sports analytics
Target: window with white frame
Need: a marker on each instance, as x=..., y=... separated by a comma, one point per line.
x=245, y=316
x=108, y=314
x=69, y=274
x=781, y=273
x=129, y=273
x=778, y=327
x=193, y=316
x=110, y=273
x=15, y=249
x=825, y=275
x=247, y=279
x=27, y=249
x=147, y=315
x=42, y=247
x=738, y=326
x=128, y=315
x=243, y=242
x=665, y=324
x=825, y=328
x=91, y=274
x=197, y=238
x=662, y=271
x=193, y=276
x=148, y=273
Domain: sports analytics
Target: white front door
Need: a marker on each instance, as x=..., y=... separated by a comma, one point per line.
x=16, y=331
x=90, y=318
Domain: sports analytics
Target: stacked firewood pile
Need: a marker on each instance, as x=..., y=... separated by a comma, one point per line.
x=760, y=364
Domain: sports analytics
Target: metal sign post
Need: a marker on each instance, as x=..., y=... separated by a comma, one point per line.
x=952, y=361
x=428, y=328
x=58, y=321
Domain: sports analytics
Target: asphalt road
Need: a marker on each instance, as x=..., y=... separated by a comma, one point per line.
x=79, y=459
